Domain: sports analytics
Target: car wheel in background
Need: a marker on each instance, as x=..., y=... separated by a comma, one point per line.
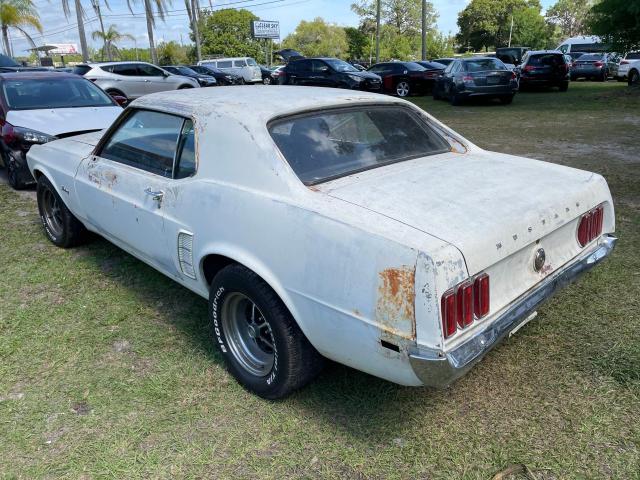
x=564, y=86
x=13, y=176
x=434, y=93
x=262, y=345
x=604, y=77
x=266, y=81
x=116, y=93
x=241, y=81
x=182, y=87
x=403, y=88
x=454, y=98
x=634, y=77
x=61, y=227
x=507, y=99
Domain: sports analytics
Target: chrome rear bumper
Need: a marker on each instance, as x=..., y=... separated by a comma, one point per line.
x=439, y=369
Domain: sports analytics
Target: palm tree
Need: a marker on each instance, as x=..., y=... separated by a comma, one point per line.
x=160, y=7
x=109, y=39
x=17, y=14
x=80, y=19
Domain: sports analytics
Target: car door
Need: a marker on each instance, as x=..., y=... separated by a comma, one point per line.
x=447, y=77
x=155, y=80
x=298, y=72
x=128, y=79
x=127, y=188
x=321, y=74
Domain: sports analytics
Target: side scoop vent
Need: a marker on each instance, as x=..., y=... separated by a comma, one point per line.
x=185, y=254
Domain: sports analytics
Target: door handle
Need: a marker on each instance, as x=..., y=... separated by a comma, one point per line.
x=154, y=194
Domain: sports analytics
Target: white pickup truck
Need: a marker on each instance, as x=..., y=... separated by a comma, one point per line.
x=629, y=68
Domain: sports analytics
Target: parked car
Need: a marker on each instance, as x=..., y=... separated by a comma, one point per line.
x=547, y=68
x=434, y=69
x=37, y=107
x=575, y=55
x=476, y=77
x=222, y=78
x=592, y=66
x=329, y=72
x=132, y=79
x=629, y=68
x=203, y=79
x=276, y=73
x=245, y=67
x=402, y=271
x=511, y=55
x=267, y=79
x=405, y=78
x=583, y=43
x=8, y=64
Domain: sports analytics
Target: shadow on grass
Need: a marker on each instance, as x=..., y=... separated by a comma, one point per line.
x=359, y=404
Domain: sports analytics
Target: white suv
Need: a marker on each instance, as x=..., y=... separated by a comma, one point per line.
x=133, y=79
x=629, y=68
x=245, y=67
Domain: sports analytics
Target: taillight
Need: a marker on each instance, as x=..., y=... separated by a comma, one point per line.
x=465, y=303
x=624, y=62
x=529, y=68
x=598, y=64
x=590, y=225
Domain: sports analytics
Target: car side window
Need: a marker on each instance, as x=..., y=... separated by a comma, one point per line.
x=318, y=66
x=449, y=67
x=149, y=71
x=239, y=63
x=126, y=69
x=146, y=140
x=186, y=158
x=224, y=64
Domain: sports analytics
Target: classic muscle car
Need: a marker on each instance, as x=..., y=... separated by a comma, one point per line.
x=328, y=223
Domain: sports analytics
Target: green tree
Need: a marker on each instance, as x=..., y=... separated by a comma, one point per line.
x=18, y=14
x=617, y=22
x=109, y=39
x=530, y=29
x=569, y=16
x=228, y=32
x=171, y=53
x=358, y=42
x=317, y=38
x=486, y=23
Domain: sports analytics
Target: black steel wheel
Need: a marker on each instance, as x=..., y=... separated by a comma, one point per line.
x=60, y=225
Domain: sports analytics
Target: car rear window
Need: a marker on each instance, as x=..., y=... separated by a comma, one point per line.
x=483, y=64
x=81, y=69
x=333, y=143
x=43, y=93
x=591, y=56
x=546, y=59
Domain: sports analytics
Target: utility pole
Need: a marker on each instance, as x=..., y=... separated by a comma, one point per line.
x=424, y=30
x=511, y=29
x=195, y=7
x=377, y=30
x=83, y=38
x=96, y=6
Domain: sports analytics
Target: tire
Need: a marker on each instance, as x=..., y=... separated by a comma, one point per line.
x=242, y=81
x=435, y=94
x=61, y=227
x=633, y=78
x=261, y=343
x=266, y=81
x=564, y=86
x=454, y=98
x=604, y=77
x=13, y=176
x=113, y=91
x=182, y=87
x=507, y=99
x=403, y=89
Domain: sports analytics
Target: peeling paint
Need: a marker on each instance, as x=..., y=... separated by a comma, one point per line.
x=395, y=310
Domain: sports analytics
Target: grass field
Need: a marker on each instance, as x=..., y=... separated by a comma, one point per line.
x=106, y=369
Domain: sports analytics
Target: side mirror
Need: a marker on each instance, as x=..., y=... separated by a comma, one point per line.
x=324, y=70
x=120, y=100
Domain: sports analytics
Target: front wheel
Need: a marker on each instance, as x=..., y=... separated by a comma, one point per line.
x=266, y=81
x=403, y=88
x=13, y=176
x=61, y=227
x=262, y=345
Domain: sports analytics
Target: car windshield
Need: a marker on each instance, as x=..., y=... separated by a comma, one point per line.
x=252, y=62
x=41, y=93
x=329, y=144
x=483, y=64
x=340, y=65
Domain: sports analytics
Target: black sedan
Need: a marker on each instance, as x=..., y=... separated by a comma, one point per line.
x=328, y=72
x=203, y=79
x=476, y=77
x=223, y=78
x=404, y=78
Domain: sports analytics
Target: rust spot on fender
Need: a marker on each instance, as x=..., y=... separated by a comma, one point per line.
x=395, y=309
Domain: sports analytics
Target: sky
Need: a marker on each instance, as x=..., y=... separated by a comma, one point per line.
x=58, y=29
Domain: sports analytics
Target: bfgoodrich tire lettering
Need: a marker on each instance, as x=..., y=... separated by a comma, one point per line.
x=61, y=227
x=293, y=361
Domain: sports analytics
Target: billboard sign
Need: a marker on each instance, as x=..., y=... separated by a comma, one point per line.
x=265, y=29
x=63, y=49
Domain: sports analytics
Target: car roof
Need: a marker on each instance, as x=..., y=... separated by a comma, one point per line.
x=264, y=102
x=125, y=62
x=24, y=75
x=543, y=52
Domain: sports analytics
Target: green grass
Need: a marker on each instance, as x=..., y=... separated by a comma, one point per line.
x=106, y=369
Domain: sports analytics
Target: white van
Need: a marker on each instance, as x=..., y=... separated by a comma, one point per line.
x=245, y=67
x=583, y=43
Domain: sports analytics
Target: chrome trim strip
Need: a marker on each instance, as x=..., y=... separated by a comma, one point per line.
x=439, y=369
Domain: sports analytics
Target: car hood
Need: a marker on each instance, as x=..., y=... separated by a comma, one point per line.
x=57, y=121
x=488, y=205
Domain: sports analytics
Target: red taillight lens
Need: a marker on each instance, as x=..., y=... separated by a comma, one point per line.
x=463, y=303
x=481, y=295
x=449, y=314
x=624, y=62
x=513, y=76
x=590, y=225
x=529, y=68
x=598, y=64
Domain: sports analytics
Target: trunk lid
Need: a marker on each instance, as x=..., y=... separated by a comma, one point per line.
x=488, y=205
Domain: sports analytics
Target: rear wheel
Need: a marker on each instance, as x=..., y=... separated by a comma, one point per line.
x=13, y=175
x=182, y=87
x=403, y=88
x=604, y=77
x=507, y=99
x=266, y=81
x=61, y=227
x=454, y=98
x=634, y=77
x=262, y=345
